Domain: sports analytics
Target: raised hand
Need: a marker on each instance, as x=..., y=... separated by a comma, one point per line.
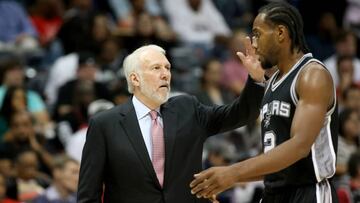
x=251, y=61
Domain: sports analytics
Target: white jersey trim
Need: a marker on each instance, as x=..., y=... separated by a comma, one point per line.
x=270, y=81
x=318, y=194
x=293, y=93
x=321, y=175
x=332, y=150
x=323, y=192
x=276, y=84
x=313, y=158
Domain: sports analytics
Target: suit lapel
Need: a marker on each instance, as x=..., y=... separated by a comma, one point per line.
x=169, y=121
x=131, y=126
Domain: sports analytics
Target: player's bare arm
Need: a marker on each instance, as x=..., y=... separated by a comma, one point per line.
x=315, y=92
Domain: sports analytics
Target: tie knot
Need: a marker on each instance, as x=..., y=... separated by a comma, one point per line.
x=153, y=115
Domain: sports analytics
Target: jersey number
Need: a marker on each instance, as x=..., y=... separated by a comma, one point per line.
x=269, y=141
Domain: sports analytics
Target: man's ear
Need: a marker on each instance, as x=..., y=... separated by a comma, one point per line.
x=282, y=33
x=135, y=79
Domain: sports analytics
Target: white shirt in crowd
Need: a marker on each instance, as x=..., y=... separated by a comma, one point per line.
x=195, y=26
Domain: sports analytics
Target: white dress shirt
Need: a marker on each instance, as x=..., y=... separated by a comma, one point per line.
x=144, y=119
x=196, y=26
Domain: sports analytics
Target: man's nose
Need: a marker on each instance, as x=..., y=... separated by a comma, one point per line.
x=165, y=74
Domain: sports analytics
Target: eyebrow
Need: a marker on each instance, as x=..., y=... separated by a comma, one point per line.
x=158, y=64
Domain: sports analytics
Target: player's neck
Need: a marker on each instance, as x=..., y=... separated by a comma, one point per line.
x=287, y=60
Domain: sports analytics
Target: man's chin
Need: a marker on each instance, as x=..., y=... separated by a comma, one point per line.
x=161, y=99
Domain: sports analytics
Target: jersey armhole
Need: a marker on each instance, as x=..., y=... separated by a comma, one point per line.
x=294, y=94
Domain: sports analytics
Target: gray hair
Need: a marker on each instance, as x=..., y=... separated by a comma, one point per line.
x=132, y=62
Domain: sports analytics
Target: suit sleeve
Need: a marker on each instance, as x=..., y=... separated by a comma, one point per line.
x=244, y=109
x=92, y=166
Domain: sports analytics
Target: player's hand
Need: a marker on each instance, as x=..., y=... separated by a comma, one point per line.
x=212, y=181
x=213, y=199
x=251, y=61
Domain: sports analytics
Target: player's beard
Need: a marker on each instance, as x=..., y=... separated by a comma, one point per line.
x=266, y=64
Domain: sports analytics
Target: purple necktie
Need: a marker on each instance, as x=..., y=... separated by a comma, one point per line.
x=158, y=149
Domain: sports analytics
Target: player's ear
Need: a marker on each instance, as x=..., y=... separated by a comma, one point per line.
x=281, y=33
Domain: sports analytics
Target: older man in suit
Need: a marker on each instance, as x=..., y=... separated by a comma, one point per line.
x=148, y=149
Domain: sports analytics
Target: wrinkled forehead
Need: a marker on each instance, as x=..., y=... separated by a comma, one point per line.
x=151, y=57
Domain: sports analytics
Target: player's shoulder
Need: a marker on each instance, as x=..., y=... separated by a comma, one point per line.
x=314, y=77
x=315, y=72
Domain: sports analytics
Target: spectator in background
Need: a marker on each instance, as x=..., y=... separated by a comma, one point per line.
x=236, y=13
x=79, y=34
x=6, y=166
x=12, y=74
x=63, y=70
x=75, y=113
x=349, y=191
x=234, y=75
x=148, y=30
x=354, y=172
x=109, y=58
x=64, y=186
x=14, y=101
x=125, y=11
x=30, y=181
x=75, y=96
x=7, y=169
x=75, y=143
x=352, y=16
x=321, y=42
x=120, y=95
x=100, y=32
x=212, y=93
x=349, y=128
x=348, y=143
x=345, y=45
x=22, y=136
x=111, y=55
x=46, y=16
x=197, y=23
x=82, y=29
x=17, y=33
x=3, y=190
x=345, y=70
x=351, y=98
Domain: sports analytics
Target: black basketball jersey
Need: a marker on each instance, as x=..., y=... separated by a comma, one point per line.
x=277, y=112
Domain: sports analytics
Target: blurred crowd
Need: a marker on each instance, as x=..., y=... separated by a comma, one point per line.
x=61, y=62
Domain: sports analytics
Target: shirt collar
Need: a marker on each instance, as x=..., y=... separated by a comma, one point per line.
x=140, y=108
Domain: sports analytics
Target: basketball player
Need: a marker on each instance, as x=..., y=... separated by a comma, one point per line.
x=298, y=118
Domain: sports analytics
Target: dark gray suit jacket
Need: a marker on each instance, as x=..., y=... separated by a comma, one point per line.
x=115, y=153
